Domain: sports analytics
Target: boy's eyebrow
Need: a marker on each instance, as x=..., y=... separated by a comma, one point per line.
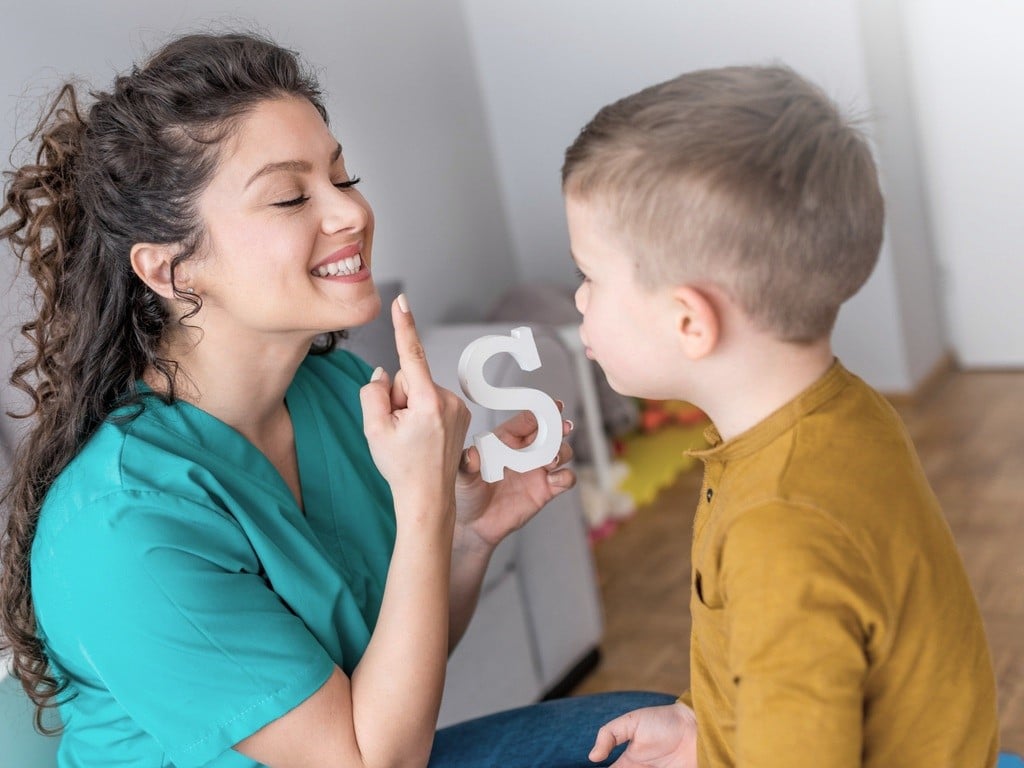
x=301, y=166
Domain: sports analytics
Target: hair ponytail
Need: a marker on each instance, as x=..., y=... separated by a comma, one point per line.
x=43, y=236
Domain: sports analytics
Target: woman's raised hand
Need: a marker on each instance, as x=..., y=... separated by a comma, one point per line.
x=415, y=428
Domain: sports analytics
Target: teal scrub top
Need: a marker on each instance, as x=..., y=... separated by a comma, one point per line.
x=182, y=593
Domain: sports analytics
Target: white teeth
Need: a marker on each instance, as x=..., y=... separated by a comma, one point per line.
x=347, y=266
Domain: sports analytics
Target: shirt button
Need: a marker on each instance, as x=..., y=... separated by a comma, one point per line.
x=709, y=494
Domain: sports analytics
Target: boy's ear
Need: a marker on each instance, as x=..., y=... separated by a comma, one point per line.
x=698, y=321
x=152, y=263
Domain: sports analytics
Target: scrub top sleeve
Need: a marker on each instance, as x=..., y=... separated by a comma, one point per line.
x=188, y=636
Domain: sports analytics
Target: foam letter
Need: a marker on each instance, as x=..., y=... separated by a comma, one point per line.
x=494, y=454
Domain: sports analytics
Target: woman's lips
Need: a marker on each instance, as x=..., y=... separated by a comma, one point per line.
x=343, y=253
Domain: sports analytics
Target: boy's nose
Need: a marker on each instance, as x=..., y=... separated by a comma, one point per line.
x=581, y=299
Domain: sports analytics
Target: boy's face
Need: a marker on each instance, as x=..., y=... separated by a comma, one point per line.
x=626, y=327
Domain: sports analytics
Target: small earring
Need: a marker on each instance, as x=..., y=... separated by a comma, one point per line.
x=190, y=289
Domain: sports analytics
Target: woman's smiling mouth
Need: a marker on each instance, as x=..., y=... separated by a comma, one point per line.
x=344, y=266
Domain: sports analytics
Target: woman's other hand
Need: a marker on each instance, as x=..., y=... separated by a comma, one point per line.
x=488, y=512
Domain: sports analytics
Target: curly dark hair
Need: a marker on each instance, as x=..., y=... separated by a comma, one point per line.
x=127, y=170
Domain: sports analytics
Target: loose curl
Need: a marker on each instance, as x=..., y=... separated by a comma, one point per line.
x=129, y=170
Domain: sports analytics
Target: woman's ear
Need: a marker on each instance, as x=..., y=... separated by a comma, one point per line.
x=152, y=263
x=698, y=321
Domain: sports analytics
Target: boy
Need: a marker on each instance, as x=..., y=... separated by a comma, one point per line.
x=719, y=220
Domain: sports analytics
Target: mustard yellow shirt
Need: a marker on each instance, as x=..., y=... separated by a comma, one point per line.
x=833, y=623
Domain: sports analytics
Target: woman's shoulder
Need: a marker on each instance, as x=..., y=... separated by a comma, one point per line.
x=98, y=467
x=153, y=451
x=135, y=489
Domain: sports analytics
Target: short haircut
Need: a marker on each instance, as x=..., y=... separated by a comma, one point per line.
x=745, y=177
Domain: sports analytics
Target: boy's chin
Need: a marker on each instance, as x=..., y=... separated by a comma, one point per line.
x=621, y=388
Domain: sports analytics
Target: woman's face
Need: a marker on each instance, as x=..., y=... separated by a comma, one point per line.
x=288, y=239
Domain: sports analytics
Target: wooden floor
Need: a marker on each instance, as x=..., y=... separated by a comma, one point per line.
x=969, y=432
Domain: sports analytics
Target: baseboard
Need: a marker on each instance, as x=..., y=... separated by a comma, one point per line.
x=945, y=366
x=574, y=676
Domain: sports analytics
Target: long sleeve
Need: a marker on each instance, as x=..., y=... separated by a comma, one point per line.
x=799, y=603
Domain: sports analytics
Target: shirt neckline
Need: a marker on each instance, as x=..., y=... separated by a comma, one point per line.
x=827, y=386
x=240, y=449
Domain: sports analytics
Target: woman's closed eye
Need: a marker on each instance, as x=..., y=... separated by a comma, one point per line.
x=296, y=201
x=292, y=202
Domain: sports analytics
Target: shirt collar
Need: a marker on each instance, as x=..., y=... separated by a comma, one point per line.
x=830, y=384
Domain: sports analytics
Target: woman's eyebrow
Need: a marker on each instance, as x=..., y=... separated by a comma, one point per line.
x=301, y=166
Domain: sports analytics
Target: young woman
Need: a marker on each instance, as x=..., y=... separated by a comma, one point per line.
x=228, y=544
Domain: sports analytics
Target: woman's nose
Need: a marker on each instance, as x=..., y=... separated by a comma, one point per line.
x=345, y=210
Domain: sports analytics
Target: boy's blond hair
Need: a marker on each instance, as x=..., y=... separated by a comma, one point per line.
x=745, y=177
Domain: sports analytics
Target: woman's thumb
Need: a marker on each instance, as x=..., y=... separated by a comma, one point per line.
x=375, y=398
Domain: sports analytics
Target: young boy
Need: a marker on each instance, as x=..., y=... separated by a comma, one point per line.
x=719, y=220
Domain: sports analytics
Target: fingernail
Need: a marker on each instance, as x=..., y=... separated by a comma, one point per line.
x=403, y=302
x=560, y=404
x=378, y=374
x=569, y=424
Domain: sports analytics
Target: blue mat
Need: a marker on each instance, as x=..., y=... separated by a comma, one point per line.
x=1006, y=760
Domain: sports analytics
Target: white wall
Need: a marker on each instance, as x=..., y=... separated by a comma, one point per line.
x=547, y=67
x=967, y=71
x=915, y=268
x=403, y=99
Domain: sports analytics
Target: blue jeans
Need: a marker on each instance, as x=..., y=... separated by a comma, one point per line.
x=552, y=734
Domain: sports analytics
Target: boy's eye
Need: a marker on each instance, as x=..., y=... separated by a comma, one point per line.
x=580, y=275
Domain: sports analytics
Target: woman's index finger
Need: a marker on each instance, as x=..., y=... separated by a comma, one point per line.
x=412, y=358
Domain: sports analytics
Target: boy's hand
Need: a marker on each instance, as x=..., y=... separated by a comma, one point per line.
x=659, y=737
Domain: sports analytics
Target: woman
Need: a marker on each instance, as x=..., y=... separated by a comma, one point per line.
x=228, y=544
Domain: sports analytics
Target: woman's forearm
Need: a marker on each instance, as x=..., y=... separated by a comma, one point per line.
x=385, y=715
x=470, y=558
x=397, y=686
